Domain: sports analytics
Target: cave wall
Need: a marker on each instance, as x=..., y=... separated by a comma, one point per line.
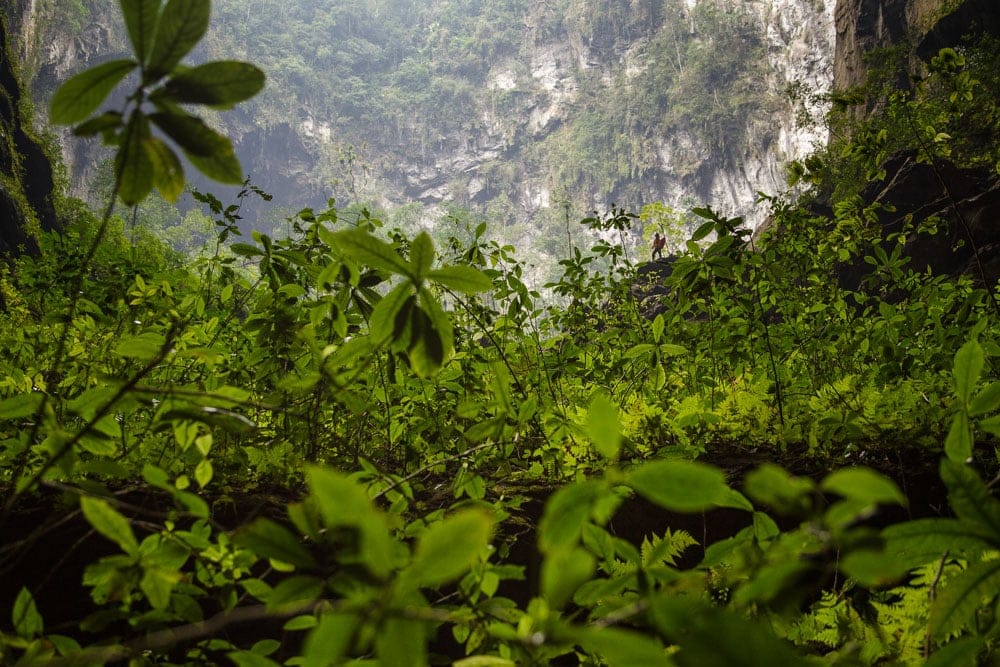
x=26, y=177
x=865, y=25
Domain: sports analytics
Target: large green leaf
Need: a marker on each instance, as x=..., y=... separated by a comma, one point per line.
x=421, y=256
x=774, y=486
x=681, y=486
x=461, y=278
x=603, y=427
x=959, y=443
x=564, y=571
x=143, y=346
x=219, y=84
x=21, y=405
x=342, y=502
x=968, y=365
x=959, y=653
x=268, y=539
x=964, y=594
x=865, y=485
x=433, y=339
x=80, y=96
x=133, y=164
x=25, y=617
x=623, y=648
x=108, y=522
x=182, y=24
x=450, y=547
x=401, y=641
x=330, y=639
x=141, y=17
x=191, y=133
x=914, y=543
x=711, y=637
x=168, y=174
x=210, y=152
x=566, y=511
x=366, y=249
x=391, y=316
x=971, y=500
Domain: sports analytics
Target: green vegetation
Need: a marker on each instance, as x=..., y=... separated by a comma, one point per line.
x=408, y=398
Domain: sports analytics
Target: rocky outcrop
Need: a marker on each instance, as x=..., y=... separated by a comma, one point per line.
x=964, y=202
x=26, y=183
x=922, y=26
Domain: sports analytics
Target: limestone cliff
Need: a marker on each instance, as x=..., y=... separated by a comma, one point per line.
x=570, y=112
x=26, y=184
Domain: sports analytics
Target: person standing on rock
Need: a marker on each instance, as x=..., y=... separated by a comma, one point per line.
x=659, y=242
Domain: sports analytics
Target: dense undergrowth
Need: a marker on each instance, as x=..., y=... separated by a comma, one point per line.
x=410, y=399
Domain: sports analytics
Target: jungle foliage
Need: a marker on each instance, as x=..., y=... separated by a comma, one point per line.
x=413, y=396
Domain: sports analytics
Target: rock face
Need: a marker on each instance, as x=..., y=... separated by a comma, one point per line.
x=497, y=157
x=965, y=201
x=26, y=182
x=923, y=25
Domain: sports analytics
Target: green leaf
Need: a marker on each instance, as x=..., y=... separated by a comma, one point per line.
x=959, y=653
x=872, y=569
x=680, y=486
x=203, y=472
x=623, y=648
x=134, y=165
x=563, y=571
x=220, y=84
x=484, y=661
x=772, y=485
x=210, y=152
x=342, y=502
x=168, y=174
x=295, y=589
x=157, y=584
x=566, y=511
x=250, y=659
x=958, y=443
x=268, y=539
x=400, y=641
x=141, y=17
x=602, y=424
x=658, y=325
x=364, y=248
x=922, y=541
x=461, y=278
x=390, y=318
x=956, y=605
x=971, y=500
x=330, y=640
x=991, y=425
x=864, y=485
x=711, y=637
x=450, y=547
x=106, y=124
x=22, y=405
x=433, y=341
x=182, y=24
x=246, y=250
x=968, y=365
x=144, y=346
x=985, y=401
x=27, y=621
x=421, y=256
x=108, y=522
x=80, y=96
x=221, y=166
